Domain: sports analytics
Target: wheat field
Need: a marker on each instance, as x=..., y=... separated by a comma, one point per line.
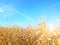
x=39, y=35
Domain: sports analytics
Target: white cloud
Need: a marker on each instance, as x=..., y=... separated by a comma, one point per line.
x=53, y=5
x=10, y=11
x=1, y=10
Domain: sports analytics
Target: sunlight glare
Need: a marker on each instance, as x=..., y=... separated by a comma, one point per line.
x=51, y=27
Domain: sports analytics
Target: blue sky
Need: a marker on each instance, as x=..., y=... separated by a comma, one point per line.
x=22, y=12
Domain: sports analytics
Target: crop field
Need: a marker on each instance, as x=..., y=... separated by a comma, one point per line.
x=29, y=35
x=29, y=22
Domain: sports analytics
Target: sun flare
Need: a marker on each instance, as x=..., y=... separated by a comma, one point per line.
x=51, y=27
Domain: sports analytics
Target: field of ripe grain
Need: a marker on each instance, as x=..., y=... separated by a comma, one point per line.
x=39, y=35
